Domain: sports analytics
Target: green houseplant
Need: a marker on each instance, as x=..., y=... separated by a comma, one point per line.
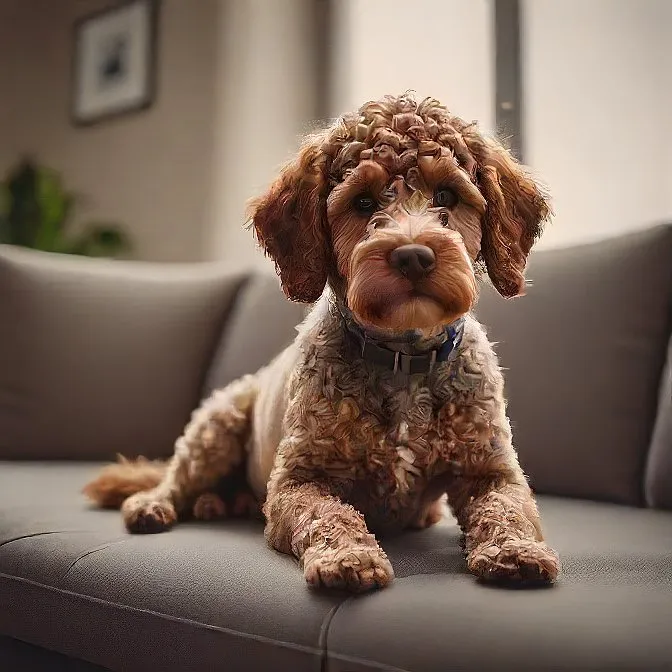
x=36, y=211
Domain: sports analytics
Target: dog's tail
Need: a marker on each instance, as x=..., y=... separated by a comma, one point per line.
x=122, y=479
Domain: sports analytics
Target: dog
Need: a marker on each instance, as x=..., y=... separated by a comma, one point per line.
x=390, y=401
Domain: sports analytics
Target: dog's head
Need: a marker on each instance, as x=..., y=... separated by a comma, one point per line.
x=398, y=207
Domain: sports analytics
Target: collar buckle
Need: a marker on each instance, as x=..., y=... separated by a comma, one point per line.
x=432, y=360
x=422, y=363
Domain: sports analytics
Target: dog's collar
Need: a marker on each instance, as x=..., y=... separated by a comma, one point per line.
x=372, y=350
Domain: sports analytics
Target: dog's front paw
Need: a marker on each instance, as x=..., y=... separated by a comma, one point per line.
x=209, y=506
x=143, y=515
x=353, y=568
x=514, y=561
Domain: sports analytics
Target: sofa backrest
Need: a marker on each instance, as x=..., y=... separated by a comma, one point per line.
x=658, y=485
x=584, y=352
x=99, y=358
x=261, y=324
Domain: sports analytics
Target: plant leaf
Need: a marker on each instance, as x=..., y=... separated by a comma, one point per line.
x=35, y=209
x=4, y=213
x=54, y=208
x=100, y=240
x=23, y=217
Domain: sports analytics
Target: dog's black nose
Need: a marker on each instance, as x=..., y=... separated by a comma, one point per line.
x=413, y=261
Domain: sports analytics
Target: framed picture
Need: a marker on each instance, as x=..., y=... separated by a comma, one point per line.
x=115, y=61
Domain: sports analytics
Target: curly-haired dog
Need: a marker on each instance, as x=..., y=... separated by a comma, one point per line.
x=391, y=396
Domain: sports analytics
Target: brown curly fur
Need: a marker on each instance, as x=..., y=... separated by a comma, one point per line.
x=335, y=447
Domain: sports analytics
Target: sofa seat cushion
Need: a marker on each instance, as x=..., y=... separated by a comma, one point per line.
x=214, y=596
x=202, y=597
x=610, y=610
x=99, y=357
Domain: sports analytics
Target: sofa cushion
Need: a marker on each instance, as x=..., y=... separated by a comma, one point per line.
x=214, y=596
x=99, y=357
x=583, y=354
x=659, y=467
x=610, y=610
x=261, y=325
x=201, y=597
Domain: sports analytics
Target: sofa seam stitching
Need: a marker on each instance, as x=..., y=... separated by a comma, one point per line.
x=176, y=619
x=36, y=534
x=324, y=641
x=86, y=554
x=372, y=663
x=324, y=634
x=217, y=628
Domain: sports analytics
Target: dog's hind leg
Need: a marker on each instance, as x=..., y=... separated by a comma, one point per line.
x=212, y=445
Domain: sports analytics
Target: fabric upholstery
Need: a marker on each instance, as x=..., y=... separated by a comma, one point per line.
x=610, y=610
x=659, y=467
x=103, y=357
x=583, y=353
x=202, y=597
x=214, y=596
x=262, y=323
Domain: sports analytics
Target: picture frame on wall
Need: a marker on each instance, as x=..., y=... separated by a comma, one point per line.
x=114, y=64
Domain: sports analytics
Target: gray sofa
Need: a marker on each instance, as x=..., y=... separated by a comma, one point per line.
x=104, y=357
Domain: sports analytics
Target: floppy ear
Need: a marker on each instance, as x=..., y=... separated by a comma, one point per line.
x=290, y=223
x=515, y=213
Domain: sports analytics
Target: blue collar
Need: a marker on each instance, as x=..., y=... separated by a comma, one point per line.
x=372, y=350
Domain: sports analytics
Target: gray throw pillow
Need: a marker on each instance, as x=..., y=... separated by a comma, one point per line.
x=99, y=357
x=584, y=353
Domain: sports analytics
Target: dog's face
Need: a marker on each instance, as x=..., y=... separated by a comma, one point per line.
x=397, y=207
x=403, y=265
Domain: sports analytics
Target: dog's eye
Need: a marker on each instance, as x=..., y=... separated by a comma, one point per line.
x=364, y=204
x=444, y=217
x=445, y=198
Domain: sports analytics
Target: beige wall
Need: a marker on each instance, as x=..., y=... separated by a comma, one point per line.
x=149, y=171
x=598, y=101
x=265, y=100
x=598, y=127
x=236, y=93
x=439, y=48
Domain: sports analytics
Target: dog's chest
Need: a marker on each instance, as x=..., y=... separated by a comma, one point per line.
x=391, y=444
x=387, y=440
